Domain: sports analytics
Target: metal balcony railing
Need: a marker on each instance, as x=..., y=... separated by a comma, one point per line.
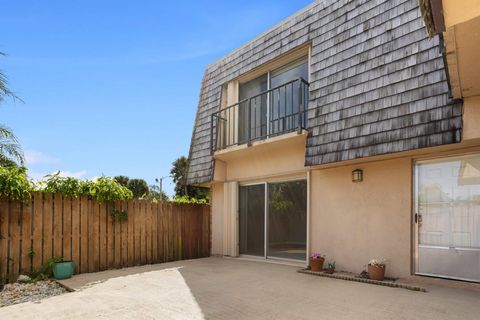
x=271, y=113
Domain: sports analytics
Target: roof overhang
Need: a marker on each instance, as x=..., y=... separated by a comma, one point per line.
x=432, y=13
x=459, y=24
x=462, y=44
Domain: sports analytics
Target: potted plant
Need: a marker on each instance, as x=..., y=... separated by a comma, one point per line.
x=330, y=267
x=63, y=269
x=316, y=262
x=376, y=269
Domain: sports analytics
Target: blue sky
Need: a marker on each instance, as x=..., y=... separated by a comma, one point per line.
x=111, y=87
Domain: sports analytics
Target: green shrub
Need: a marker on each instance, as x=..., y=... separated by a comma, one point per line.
x=14, y=183
x=108, y=189
x=103, y=189
x=189, y=200
x=67, y=186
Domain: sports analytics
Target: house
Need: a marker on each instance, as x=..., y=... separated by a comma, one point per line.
x=351, y=129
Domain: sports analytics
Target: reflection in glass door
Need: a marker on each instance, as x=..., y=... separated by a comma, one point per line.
x=285, y=213
x=252, y=220
x=447, y=218
x=287, y=220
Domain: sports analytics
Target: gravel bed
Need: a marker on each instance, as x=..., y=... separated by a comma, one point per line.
x=14, y=293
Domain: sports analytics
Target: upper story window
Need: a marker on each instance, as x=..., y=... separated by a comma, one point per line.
x=268, y=105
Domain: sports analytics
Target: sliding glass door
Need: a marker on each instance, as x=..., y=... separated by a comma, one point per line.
x=283, y=207
x=287, y=220
x=252, y=220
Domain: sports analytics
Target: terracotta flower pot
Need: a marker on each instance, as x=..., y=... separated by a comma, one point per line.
x=376, y=272
x=316, y=265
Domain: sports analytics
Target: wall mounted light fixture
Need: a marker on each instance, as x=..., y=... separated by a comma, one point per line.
x=357, y=175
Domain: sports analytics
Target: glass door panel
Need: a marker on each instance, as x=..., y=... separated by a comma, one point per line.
x=284, y=100
x=252, y=220
x=448, y=218
x=287, y=220
x=258, y=109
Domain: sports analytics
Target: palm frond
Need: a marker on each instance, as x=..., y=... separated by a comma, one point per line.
x=7, y=134
x=9, y=147
x=4, y=91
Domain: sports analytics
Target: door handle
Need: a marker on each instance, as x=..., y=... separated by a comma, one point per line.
x=418, y=218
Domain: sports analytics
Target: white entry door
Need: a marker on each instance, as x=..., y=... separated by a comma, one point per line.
x=447, y=217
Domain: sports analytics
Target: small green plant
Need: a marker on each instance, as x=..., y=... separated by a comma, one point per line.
x=119, y=215
x=14, y=183
x=331, y=265
x=377, y=262
x=31, y=253
x=45, y=271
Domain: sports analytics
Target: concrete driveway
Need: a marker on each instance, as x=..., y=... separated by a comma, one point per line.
x=216, y=288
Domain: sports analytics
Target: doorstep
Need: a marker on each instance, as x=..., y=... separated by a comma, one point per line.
x=388, y=282
x=286, y=262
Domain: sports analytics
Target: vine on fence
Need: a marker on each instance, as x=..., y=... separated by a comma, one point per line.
x=189, y=200
x=119, y=215
x=15, y=185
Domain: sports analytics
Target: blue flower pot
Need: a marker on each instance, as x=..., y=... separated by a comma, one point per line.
x=63, y=270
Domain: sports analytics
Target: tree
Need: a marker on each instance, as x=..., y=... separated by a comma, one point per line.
x=179, y=176
x=139, y=187
x=123, y=180
x=10, y=150
x=154, y=193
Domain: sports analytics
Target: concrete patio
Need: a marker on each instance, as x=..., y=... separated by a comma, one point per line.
x=221, y=288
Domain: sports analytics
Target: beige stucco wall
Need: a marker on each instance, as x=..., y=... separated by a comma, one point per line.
x=217, y=195
x=271, y=159
x=354, y=222
x=455, y=11
x=471, y=118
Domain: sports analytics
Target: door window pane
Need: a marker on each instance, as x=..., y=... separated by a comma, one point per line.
x=287, y=219
x=252, y=220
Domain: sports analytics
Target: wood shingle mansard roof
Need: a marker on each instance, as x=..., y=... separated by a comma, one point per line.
x=378, y=80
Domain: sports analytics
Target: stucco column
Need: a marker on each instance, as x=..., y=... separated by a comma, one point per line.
x=230, y=226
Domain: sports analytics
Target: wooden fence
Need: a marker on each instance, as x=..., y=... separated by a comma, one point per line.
x=83, y=230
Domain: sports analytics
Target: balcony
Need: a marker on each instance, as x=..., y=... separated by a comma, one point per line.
x=269, y=114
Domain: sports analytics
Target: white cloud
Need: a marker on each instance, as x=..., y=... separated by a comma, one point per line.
x=75, y=174
x=36, y=176
x=37, y=157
